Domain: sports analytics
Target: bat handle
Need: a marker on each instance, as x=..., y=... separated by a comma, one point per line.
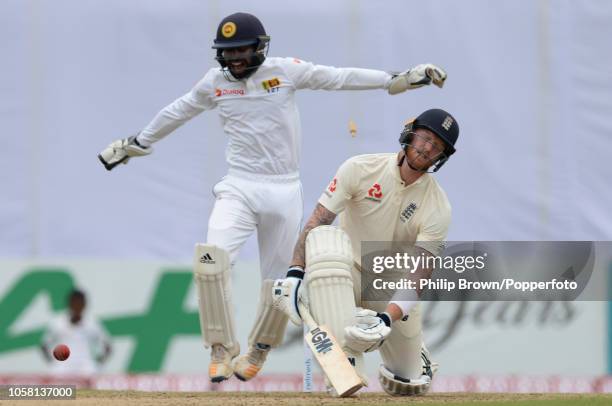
x=306, y=316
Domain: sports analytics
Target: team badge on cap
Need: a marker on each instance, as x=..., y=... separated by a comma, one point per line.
x=448, y=121
x=229, y=29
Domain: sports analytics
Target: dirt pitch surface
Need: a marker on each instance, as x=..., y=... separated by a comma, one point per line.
x=113, y=398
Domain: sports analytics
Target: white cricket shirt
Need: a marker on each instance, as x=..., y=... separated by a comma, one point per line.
x=259, y=114
x=374, y=204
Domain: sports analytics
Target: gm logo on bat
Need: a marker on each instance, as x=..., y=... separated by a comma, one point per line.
x=320, y=340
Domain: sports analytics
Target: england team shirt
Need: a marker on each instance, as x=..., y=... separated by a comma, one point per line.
x=259, y=114
x=374, y=204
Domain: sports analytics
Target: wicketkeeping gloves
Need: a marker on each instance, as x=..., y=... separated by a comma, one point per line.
x=121, y=151
x=416, y=77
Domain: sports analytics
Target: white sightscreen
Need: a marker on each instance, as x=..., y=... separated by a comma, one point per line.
x=529, y=82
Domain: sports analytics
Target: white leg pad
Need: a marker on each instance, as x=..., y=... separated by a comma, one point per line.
x=270, y=323
x=211, y=268
x=329, y=284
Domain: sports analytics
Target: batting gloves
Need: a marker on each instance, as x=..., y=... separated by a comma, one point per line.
x=286, y=294
x=369, y=331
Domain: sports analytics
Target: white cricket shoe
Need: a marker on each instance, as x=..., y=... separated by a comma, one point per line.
x=220, y=367
x=247, y=366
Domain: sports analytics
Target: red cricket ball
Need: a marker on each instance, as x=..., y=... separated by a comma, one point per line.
x=61, y=352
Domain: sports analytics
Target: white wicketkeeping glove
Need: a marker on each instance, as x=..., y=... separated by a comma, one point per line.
x=286, y=293
x=369, y=331
x=416, y=77
x=121, y=151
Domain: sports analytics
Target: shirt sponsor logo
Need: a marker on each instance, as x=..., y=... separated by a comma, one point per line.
x=331, y=188
x=332, y=185
x=375, y=193
x=272, y=85
x=408, y=212
x=229, y=92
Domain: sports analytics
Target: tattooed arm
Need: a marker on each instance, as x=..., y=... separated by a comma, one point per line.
x=285, y=292
x=319, y=217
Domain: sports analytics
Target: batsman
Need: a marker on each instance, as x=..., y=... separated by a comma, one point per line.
x=378, y=197
x=255, y=98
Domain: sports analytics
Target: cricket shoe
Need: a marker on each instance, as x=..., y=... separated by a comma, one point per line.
x=429, y=367
x=220, y=367
x=247, y=366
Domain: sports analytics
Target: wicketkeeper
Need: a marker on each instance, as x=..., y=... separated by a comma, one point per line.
x=379, y=197
x=255, y=98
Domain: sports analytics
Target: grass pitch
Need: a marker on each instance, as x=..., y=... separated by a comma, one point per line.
x=118, y=398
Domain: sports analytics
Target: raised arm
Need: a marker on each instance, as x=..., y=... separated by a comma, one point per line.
x=171, y=117
x=176, y=114
x=306, y=75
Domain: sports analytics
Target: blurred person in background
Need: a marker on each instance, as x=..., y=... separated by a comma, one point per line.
x=87, y=339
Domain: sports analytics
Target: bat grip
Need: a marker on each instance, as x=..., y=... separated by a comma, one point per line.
x=306, y=316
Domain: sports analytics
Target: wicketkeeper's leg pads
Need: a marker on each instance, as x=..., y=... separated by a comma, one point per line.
x=270, y=323
x=211, y=268
x=329, y=284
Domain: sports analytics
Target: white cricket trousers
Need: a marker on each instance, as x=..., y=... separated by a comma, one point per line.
x=270, y=204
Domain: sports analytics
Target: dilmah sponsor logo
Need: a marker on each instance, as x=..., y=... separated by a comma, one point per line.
x=229, y=92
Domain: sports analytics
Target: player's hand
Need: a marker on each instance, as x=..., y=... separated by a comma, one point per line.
x=286, y=293
x=416, y=77
x=369, y=331
x=121, y=151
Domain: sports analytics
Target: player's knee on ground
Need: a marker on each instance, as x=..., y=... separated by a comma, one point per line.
x=406, y=369
x=401, y=351
x=212, y=277
x=396, y=385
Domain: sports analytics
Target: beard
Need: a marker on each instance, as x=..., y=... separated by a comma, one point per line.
x=418, y=160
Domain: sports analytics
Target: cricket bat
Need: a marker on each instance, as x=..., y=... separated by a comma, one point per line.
x=334, y=362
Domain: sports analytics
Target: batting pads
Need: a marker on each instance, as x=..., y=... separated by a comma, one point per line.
x=329, y=258
x=270, y=323
x=211, y=268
